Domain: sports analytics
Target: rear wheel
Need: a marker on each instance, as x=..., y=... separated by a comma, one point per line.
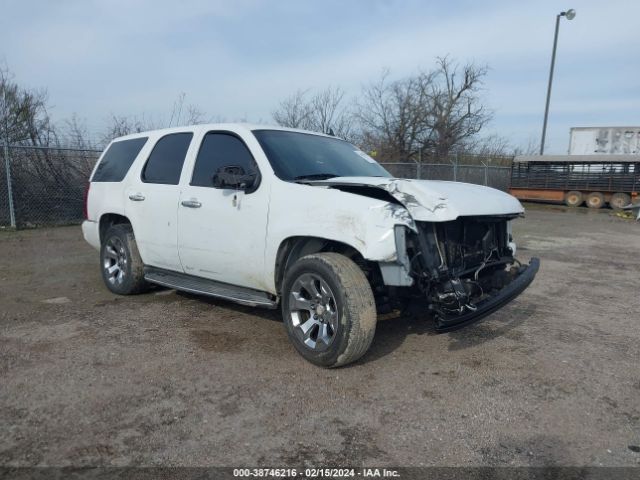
x=595, y=200
x=619, y=200
x=328, y=309
x=573, y=198
x=120, y=262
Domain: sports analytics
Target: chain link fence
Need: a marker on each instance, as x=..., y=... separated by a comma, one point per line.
x=43, y=186
x=484, y=174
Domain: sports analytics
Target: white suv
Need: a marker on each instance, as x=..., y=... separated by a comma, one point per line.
x=268, y=216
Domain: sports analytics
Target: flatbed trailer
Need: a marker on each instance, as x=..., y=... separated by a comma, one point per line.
x=596, y=180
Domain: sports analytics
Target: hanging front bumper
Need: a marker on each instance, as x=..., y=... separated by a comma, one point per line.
x=525, y=276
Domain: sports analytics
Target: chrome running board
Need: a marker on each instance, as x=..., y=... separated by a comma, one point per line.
x=211, y=288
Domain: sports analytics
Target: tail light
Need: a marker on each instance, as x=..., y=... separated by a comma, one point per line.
x=85, y=209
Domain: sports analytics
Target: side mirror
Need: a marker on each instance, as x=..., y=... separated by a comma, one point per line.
x=233, y=177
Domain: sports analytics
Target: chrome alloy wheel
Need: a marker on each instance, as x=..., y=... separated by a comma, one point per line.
x=313, y=311
x=114, y=261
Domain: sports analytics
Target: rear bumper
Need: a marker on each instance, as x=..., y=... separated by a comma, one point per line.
x=490, y=305
x=91, y=233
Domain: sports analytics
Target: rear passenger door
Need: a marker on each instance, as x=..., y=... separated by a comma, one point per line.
x=222, y=231
x=152, y=201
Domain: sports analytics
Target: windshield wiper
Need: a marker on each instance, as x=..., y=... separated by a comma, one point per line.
x=314, y=176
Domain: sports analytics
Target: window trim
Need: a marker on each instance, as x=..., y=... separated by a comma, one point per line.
x=144, y=167
x=258, y=181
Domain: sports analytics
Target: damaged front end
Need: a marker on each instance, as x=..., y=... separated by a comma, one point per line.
x=454, y=253
x=465, y=269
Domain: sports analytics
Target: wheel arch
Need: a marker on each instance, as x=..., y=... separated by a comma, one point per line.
x=293, y=248
x=107, y=220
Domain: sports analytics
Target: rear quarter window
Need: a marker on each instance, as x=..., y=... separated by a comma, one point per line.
x=117, y=160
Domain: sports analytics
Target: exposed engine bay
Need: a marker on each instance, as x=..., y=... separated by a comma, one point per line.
x=460, y=265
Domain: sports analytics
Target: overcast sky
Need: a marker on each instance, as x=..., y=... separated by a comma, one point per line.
x=236, y=59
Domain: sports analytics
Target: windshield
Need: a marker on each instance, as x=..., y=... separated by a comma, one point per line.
x=303, y=156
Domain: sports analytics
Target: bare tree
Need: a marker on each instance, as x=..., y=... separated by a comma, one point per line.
x=456, y=114
x=118, y=126
x=194, y=115
x=76, y=134
x=42, y=179
x=531, y=148
x=324, y=111
x=182, y=114
x=121, y=125
x=393, y=115
x=433, y=113
x=328, y=113
x=23, y=113
x=176, y=111
x=489, y=145
x=294, y=111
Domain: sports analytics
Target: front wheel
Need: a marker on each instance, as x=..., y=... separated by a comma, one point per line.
x=328, y=308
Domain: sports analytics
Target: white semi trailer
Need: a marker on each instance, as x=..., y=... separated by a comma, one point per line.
x=604, y=141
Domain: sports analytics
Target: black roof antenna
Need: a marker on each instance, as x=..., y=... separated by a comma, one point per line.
x=330, y=132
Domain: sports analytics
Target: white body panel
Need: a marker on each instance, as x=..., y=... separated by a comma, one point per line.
x=102, y=198
x=91, y=233
x=224, y=239
x=237, y=241
x=155, y=223
x=364, y=223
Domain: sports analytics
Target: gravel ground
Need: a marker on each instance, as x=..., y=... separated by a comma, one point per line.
x=88, y=378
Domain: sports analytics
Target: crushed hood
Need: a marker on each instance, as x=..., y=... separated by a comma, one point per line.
x=433, y=200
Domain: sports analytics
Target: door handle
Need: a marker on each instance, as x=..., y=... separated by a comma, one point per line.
x=191, y=203
x=136, y=197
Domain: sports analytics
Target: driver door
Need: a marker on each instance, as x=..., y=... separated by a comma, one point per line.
x=221, y=230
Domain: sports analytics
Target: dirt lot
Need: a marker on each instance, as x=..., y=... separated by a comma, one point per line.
x=88, y=378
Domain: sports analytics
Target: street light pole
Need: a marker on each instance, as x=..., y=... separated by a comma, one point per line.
x=569, y=14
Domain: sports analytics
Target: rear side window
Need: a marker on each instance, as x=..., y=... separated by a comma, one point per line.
x=220, y=150
x=165, y=162
x=117, y=160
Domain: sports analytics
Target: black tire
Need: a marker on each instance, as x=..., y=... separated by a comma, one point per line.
x=351, y=302
x=120, y=263
x=619, y=200
x=595, y=200
x=573, y=198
